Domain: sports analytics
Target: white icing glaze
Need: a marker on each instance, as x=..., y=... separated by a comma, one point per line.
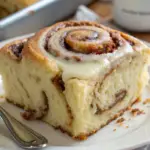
x=91, y=68
x=55, y=43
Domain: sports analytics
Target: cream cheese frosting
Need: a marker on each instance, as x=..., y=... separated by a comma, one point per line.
x=92, y=64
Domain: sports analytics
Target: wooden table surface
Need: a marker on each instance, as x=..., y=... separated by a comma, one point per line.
x=104, y=9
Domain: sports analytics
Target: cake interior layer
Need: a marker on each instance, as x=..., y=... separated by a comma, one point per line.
x=94, y=104
x=79, y=107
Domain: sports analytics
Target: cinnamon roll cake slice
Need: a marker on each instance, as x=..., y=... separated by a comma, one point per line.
x=76, y=76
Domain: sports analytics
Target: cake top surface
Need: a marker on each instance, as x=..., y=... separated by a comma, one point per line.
x=85, y=49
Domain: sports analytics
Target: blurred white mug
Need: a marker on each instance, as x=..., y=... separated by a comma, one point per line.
x=132, y=14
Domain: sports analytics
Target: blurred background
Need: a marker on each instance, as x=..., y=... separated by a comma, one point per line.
x=27, y=16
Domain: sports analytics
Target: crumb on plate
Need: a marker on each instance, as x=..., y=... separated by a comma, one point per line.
x=127, y=126
x=129, y=108
x=137, y=111
x=121, y=120
x=146, y=101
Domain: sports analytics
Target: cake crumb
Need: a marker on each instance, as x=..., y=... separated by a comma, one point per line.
x=146, y=101
x=121, y=124
x=83, y=137
x=114, y=130
x=127, y=126
x=136, y=112
x=120, y=121
x=129, y=108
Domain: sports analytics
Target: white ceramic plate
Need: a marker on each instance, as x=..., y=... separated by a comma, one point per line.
x=137, y=134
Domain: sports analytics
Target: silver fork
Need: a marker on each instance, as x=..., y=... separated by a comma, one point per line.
x=21, y=134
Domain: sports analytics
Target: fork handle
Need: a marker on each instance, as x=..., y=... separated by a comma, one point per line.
x=22, y=135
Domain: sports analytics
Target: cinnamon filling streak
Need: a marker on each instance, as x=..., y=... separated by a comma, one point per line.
x=16, y=49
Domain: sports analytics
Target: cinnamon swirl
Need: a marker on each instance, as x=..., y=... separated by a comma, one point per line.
x=77, y=76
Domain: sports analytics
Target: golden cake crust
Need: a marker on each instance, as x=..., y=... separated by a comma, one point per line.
x=30, y=51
